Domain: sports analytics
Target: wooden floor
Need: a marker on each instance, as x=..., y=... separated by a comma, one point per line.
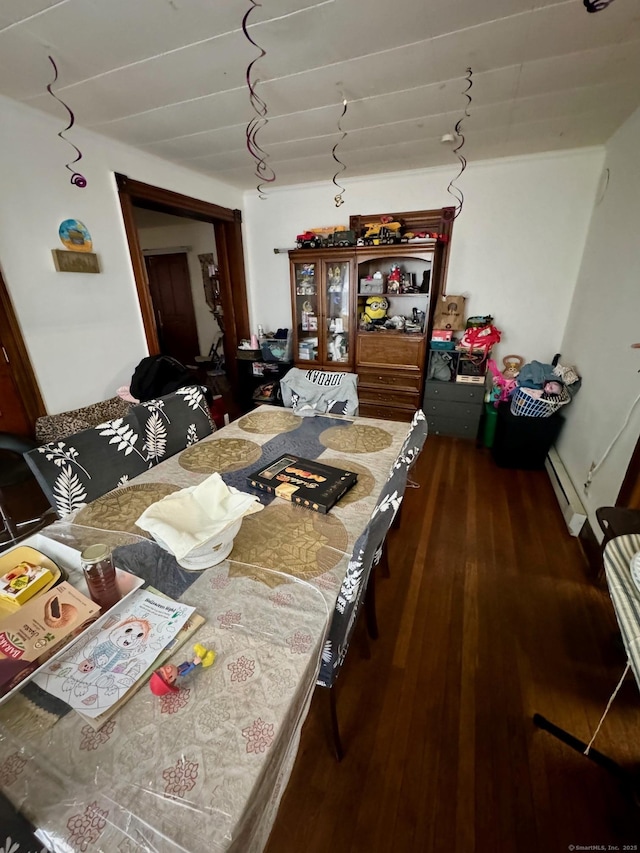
x=490, y=615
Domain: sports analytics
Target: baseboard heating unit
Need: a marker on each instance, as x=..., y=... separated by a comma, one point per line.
x=573, y=511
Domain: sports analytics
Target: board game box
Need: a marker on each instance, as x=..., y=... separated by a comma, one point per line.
x=304, y=482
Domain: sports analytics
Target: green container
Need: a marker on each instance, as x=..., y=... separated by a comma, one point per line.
x=490, y=421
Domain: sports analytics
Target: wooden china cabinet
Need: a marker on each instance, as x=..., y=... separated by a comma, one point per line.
x=322, y=294
x=329, y=292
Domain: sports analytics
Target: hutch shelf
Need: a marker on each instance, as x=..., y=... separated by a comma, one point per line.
x=329, y=293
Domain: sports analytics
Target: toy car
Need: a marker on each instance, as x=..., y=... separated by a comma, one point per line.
x=308, y=240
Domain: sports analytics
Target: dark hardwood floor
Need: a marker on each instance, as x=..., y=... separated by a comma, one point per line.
x=490, y=614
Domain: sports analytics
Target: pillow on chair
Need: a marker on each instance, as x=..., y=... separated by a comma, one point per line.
x=173, y=422
x=88, y=464
x=326, y=391
x=54, y=427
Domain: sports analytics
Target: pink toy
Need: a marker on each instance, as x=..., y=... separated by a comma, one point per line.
x=502, y=387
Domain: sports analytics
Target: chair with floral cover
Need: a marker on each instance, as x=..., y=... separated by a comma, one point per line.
x=86, y=465
x=405, y=461
x=173, y=422
x=357, y=586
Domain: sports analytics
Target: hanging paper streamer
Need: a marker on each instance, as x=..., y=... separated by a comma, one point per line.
x=338, y=197
x=596, y=5
x=264, y=173
x=453, y=189
x=77, y=179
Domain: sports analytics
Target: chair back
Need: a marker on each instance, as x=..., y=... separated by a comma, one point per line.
x=84, y=466
x=414, y=442
x=367, y=553
x=326, y=391
x=173, y=422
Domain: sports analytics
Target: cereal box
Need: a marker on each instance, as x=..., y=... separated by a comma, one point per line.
x=38, y=629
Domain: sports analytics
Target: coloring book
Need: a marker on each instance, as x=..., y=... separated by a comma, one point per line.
x=99, y=670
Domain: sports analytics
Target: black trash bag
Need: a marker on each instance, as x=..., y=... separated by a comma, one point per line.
x=157, y=375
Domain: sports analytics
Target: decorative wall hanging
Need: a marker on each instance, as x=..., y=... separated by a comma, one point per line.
x=78, y=257
x=66, y=261
x=596, y=5
x=264, y=173
x=75, y=236
x=77, y=179
x=338, y=197
x=453, y=189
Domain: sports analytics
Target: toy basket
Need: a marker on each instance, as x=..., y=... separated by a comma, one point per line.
x=524, y=403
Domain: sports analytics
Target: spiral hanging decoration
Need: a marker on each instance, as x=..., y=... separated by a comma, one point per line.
x=77, y=179
x=264, y=173
x=596, y=5
x=338, y=197
x=453, y=189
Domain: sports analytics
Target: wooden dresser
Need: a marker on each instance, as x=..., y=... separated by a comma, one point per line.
x=390, y=370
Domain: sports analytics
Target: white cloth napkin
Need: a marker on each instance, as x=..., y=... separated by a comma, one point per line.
x=195, y=515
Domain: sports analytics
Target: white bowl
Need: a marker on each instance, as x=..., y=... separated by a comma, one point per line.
x=209, y=553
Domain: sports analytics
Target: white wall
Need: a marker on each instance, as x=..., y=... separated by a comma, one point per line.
x=604, y=320
x=83, y=332
x=199, y=236
x=515, y=252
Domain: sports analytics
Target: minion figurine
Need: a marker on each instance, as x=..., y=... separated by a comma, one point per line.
x=375, y=311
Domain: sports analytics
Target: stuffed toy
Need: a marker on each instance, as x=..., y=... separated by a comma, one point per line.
x=375, y=311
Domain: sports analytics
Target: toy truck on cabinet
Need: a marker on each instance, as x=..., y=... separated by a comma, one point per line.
x=341, y=238
x=309, y=240
x=378, y=233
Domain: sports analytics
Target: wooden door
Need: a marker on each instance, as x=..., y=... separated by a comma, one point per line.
x=170, y=287
x=20, y=400
x=13, y=414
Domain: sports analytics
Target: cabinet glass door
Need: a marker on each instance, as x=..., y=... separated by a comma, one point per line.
x=337, y=315
x=307, y=317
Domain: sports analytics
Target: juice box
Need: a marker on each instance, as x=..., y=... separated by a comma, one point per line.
x=23, y=581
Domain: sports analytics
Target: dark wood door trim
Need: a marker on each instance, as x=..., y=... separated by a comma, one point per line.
x=140, y=274
x=19, y=357
x=166, y=201
x=227, y=225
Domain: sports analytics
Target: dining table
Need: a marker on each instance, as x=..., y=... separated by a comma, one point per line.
x=202, y=769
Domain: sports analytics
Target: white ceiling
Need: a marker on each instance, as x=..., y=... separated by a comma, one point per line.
x=168, y=76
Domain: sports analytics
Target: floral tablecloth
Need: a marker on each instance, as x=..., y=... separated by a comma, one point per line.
x=204, y=769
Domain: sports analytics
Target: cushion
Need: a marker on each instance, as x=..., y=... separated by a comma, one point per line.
x=54, y=427
x=84, y=466
x=173, y=422
x=325, y=391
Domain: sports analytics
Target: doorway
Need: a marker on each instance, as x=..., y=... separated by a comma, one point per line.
x=228, y=270
x=170, y=288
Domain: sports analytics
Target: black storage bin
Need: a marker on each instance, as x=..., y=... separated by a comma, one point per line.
x=522, y=442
